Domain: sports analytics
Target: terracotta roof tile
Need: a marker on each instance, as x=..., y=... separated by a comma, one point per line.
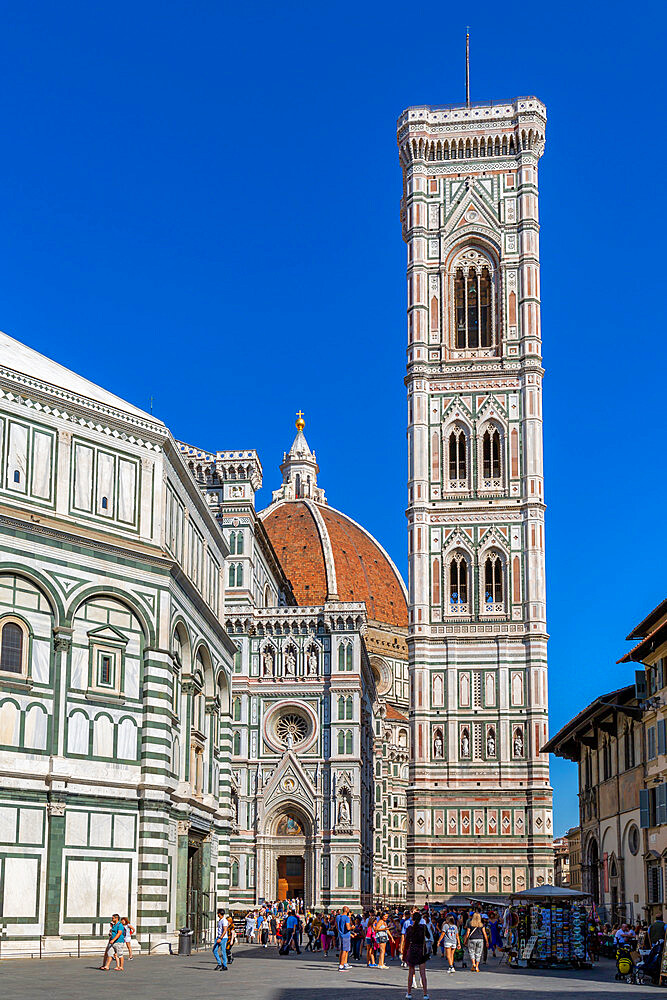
x=363, y=571
x=394, y=715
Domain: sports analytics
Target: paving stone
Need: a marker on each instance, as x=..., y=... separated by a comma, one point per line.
x=259, y=974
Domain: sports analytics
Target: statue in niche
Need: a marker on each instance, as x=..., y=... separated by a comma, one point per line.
x=438, y=744
x=312, y=663
x=491, y=743
x=267, y=663
x=290, y=663
x=465, y=743
x=344, y=811
x=289, y=741
x=518, y=743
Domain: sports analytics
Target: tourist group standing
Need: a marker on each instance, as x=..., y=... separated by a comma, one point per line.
x=412, y=937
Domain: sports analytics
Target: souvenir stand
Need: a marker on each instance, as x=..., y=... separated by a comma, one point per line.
x=548, y=927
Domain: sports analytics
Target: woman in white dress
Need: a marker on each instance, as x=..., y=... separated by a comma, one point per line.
x=129, y=931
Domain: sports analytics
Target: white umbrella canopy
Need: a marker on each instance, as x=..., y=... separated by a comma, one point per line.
x=550, y=892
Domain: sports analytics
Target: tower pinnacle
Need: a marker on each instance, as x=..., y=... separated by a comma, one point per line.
x=299, y=469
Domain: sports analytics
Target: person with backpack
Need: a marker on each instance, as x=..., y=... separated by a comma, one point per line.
x=416, y=952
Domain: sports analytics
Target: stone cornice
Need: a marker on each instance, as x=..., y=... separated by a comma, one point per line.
x=31, y=392
x=426, y=115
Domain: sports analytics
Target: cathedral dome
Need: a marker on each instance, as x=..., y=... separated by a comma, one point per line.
x=328, y=556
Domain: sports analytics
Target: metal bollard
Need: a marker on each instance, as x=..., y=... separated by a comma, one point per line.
x=78, y=946
x=149, y=946
x=40, y=945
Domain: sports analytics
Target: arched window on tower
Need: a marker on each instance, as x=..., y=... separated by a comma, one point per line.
x=297, y=486
x=239, y=543
x=232, y=543
x=491, y=467
x=239, y=575
x=494, y=595
x=458, y=583
x=458, y=458
x=473, y=308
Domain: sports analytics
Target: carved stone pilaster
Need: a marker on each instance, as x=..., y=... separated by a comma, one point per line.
x=62, y=639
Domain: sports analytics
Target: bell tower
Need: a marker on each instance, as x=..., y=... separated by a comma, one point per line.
x=479, y=799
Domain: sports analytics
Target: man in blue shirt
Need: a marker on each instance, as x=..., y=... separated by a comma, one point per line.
x=116, y=946
x=292, y=924
x=344, y=926
x=221, y=937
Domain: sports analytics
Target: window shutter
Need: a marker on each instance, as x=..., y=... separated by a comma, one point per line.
x=643, y=809
x=662, y=736
x=640, y=685
x=661, y=804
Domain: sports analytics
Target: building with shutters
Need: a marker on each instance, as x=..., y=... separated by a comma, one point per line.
x=479, y=799
x=606, y=741
x=650, y=655
x=561, y=861
x=573, y=838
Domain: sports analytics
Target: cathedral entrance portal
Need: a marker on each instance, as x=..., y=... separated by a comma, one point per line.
x=290, y=877
x=288, y=856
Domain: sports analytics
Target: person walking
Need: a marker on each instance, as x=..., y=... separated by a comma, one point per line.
x=324, y=935
x=382, y=937
x=291, y=929
x=494, y=930
x=405, y=923
x=231, y=941
x=344, y=928
x=116, y=946
x=370, y=941
x=450, y=940
x=220, y=943
x=129, y=931
x=357, y=938
x=264, y=931
x=475, y=939
x=416, y=953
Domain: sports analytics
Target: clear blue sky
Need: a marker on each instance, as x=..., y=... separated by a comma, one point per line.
x=199, y=202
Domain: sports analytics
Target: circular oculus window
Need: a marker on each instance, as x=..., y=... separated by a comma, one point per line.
x=290, y=727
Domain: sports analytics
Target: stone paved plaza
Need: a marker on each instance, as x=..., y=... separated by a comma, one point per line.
x=259, y=975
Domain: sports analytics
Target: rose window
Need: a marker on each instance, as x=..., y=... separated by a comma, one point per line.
x=292, y=729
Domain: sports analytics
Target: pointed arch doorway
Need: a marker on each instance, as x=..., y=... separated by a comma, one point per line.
x=288, y=856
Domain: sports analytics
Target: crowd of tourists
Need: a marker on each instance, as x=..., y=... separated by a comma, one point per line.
x=377, y=937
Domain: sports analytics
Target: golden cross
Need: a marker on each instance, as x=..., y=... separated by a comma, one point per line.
x=300, y=414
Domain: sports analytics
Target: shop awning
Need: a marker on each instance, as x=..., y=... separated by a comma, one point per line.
x=550, y=892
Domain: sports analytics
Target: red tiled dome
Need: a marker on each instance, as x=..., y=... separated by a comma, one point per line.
x=363, y=570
